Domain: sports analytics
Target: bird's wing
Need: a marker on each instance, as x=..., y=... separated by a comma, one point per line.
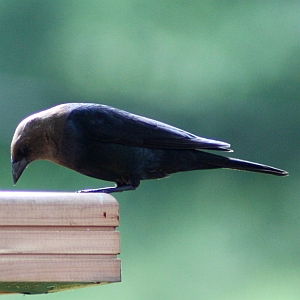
x=108, y=124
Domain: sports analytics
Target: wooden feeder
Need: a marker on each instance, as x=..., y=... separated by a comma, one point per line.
x=55, y=241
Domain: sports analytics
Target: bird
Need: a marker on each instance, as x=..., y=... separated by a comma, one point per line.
x=110, y=144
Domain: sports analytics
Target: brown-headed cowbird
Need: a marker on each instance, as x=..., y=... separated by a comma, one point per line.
x=110, y=144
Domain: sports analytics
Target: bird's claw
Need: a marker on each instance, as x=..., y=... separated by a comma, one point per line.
x=108, y=190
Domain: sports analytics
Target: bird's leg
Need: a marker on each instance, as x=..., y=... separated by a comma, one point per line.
x=109, y=190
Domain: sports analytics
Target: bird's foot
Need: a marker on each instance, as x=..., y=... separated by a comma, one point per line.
x=109, y=190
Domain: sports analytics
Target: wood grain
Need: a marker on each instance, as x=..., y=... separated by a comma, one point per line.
x=59, y=268
x=58, y=209
x=59, y=241
x=53, y=241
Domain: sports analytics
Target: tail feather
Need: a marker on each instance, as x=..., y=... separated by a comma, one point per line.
x=217, y=161
x=238, y=164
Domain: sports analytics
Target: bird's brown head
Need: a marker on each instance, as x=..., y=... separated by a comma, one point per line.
x=36, y=137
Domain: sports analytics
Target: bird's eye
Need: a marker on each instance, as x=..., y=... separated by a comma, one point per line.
x=23, y=151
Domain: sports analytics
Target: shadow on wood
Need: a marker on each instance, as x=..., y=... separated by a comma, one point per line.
x=55, y=241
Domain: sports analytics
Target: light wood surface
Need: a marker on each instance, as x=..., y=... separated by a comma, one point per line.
x=58, y=241
x=59, y=268
x=53, y=241
x=58, y=209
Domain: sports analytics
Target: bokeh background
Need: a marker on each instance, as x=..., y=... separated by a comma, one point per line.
x=228, y=70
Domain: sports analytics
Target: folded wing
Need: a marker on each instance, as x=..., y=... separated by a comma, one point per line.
x=111, y=125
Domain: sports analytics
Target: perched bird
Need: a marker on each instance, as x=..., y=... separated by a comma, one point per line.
x=113, y=145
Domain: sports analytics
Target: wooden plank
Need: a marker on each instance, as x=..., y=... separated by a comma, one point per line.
x=58, y=209
x=59, y=268
x=53, y=241
x=59, y=241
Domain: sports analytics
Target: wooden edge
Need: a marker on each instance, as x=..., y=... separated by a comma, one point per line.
x=57, y=241
x=62, y=241
x=59, y=268
x=58, y=209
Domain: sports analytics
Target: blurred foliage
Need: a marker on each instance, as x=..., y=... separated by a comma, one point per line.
x=225, y=70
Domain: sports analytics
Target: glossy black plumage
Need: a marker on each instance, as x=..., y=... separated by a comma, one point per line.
x=114, y=145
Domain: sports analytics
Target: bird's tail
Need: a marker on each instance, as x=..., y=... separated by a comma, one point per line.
x=212, y=161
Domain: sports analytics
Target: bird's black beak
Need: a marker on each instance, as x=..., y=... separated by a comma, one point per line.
x=17, y=168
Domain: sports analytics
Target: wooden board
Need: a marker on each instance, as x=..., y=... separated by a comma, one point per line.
x=56, y=241
x=59, y=268
x=58, y=209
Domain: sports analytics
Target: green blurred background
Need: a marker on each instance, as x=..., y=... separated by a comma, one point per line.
x=228, y=70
